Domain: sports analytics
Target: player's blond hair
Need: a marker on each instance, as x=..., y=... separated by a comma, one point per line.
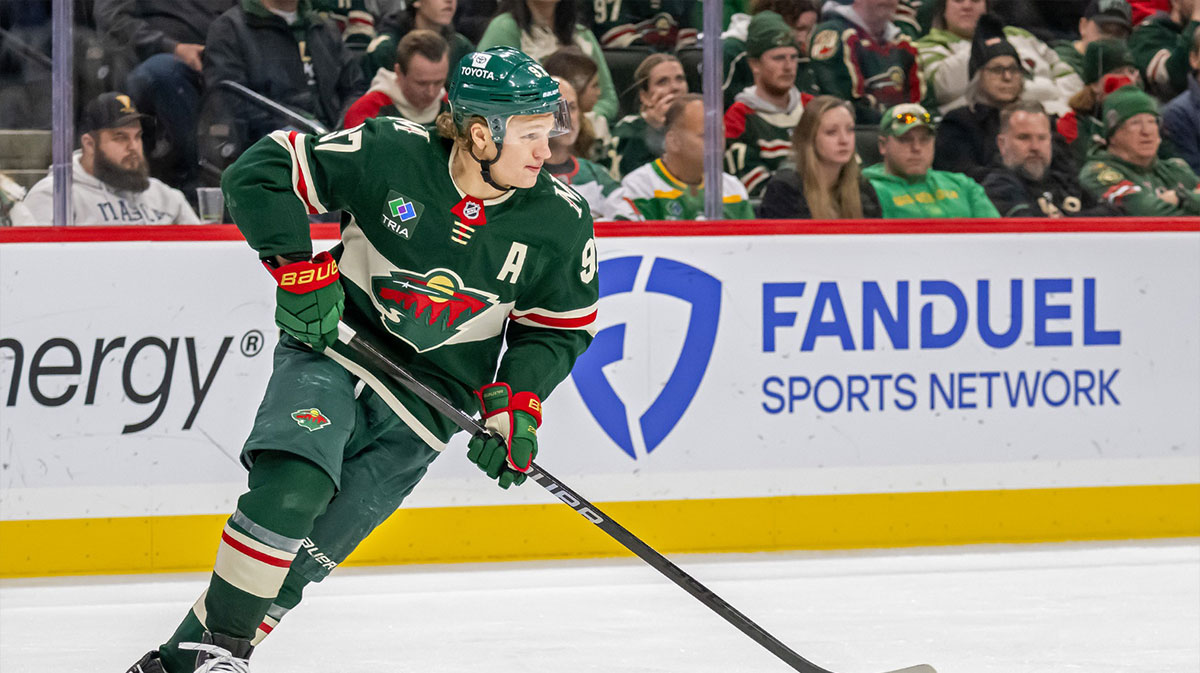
x=446, y=128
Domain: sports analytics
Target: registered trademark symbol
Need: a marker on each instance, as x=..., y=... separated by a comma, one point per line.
x=252, y=343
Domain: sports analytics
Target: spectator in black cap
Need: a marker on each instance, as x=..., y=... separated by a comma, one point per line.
x=966, y=140
x=1101, y=20
x=111, y=181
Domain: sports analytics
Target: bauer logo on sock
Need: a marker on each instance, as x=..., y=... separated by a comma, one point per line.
x=310, y=419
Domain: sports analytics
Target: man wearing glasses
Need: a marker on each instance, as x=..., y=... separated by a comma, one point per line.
x=907, y=185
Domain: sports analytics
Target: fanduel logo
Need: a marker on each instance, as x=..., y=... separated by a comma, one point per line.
x=674, y=279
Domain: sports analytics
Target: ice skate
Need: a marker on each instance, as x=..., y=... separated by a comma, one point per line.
x=148, y=664
x=221, y=654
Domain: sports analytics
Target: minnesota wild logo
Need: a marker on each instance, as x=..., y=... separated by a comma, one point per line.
x=427, y=309
x=310, y=419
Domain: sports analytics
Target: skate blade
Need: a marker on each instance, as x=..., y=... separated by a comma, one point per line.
x=919, y=668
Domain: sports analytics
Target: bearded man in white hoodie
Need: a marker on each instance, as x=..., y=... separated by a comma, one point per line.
x=111, y=183
x=415, y=86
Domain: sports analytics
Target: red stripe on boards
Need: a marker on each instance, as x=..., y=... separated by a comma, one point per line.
x=331, y=231
x=254, y=553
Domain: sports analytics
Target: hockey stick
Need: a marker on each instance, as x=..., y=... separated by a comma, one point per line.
x=590, y=512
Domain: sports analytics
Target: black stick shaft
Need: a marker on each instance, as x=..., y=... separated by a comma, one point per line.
x=592, y=513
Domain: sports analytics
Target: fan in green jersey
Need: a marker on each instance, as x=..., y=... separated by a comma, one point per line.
x=461, y=260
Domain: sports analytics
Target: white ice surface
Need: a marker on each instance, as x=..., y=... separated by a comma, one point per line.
x=1047, y=608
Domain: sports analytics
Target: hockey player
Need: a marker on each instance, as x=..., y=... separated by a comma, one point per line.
x=450, y=245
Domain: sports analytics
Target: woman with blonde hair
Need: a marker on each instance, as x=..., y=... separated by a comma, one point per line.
x=825, y=182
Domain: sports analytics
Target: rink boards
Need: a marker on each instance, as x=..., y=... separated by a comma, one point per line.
x=752, y=386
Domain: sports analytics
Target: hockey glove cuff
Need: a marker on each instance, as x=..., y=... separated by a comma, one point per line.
x=309, y=300
x=507, y=450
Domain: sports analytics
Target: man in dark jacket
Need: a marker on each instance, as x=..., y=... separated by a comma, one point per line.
x=1024, y=182
x=1181, y=117
x=282, y=50
x=167, y=38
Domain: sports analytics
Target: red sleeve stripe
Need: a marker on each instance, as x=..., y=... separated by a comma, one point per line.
x=570, y=320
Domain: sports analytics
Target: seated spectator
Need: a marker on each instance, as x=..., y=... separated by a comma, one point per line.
x=353, y=20
x=415, y=86
x=1128, y=174
x=257, y=45
x=1102, y=20
x=1107, y=66
x=586, y=177
x=435, y=15
x=801, y=15
x=1160, y=47
x=662, y=25
x=1025, y=183
x=111, y=181
x=571, y=64
x=1181, y=117
x=824, y=181
x=638, y=139
x=540, y=28
x=966, y=138
x=859, y=55
x=947, y=49
x=905, y=182
x=758, y=126
x=672, y=188
x=168, y=38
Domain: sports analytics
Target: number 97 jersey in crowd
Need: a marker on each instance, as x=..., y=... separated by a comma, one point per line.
x=434, y=278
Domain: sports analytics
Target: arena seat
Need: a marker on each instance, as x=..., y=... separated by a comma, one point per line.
x=866, y=143
x=622, y=63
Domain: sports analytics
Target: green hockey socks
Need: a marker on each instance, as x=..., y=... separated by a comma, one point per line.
x=287, y=493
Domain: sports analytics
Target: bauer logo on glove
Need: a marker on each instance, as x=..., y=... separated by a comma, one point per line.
x=507, y=451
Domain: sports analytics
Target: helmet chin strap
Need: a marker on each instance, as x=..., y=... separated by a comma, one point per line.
x=485, y=166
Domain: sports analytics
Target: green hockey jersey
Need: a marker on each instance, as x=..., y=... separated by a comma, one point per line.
x=1160, y=49
x=852, y=65
x=590, y=180
x=1139, y=190
x=758, y=136
x=436, y=280
x=652, y=193
x=634, y=143
x=663, y=25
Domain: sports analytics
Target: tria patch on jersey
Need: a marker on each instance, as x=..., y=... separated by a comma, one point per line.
x=310, y=419
x=427, y=309
x=401, y=214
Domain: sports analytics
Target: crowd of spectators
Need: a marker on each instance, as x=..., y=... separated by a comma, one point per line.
x=833, y=109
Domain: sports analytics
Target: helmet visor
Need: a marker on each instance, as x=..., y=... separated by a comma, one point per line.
x=528, y=128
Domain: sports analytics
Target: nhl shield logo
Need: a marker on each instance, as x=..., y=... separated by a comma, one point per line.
x=471, y=210
x=310, y=419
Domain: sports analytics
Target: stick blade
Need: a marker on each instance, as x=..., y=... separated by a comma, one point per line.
x=919, y=668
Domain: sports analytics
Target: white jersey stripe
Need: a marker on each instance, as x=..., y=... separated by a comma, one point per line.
x=281, y=137
x=314, y=201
